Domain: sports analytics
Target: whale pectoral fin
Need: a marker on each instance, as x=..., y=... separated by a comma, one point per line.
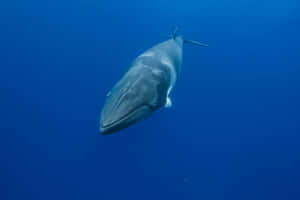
x=168, y=103
x=195, y=43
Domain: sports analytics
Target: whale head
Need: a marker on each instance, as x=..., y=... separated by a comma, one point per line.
x=136, y=96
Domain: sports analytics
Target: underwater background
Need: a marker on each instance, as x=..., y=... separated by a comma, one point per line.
x=232, y=133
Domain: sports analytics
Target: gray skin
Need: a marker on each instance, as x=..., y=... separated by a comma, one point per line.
x=145, y=87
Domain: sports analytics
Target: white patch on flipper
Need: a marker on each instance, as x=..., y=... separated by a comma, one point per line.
x=168, y=103
x=168, y=100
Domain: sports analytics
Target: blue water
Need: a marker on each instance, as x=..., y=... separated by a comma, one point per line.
x=234, y=129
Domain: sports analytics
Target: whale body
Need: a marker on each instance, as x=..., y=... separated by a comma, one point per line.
x=145, y=87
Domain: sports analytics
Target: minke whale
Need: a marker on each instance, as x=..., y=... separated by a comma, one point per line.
x=146, y=85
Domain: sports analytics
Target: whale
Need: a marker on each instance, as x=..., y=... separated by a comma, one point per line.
x=146, y=85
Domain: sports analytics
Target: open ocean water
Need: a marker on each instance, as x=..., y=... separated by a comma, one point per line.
x=233, y=132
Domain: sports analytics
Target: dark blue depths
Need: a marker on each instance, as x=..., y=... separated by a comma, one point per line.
x=233, y=131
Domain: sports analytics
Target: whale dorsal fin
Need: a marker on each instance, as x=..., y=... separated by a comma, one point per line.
x=174, y=35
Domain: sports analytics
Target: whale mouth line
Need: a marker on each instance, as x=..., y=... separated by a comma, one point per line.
x=107, y=128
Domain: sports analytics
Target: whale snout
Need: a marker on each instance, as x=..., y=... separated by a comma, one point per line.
x=127, y=104
x=116, y=120
x=136, y=96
